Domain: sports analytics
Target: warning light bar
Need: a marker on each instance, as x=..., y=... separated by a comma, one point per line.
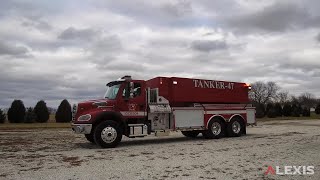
x=248, y=85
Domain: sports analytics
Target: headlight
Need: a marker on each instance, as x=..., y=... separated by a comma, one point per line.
x=85, y=117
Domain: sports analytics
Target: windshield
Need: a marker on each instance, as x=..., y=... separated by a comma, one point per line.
x=112, y=91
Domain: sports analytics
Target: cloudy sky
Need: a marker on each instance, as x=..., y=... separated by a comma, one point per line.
x=60, y=49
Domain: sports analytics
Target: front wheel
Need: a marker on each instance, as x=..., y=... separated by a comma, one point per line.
x=191, y=134
x=108, y=134
x=216, y=129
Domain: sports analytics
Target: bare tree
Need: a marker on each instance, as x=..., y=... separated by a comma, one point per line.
x=294, y=99
x=283, y=97
x=308, y=100
x=262, y=93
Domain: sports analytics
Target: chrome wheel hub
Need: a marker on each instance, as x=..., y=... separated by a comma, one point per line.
x=236, y=127
x=109, y=134
x=216, y=128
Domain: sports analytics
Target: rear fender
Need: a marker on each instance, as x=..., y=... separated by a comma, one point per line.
x=216, y=116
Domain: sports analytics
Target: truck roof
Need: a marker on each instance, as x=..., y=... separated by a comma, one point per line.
x=196, y=78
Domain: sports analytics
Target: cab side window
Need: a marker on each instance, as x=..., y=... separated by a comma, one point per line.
x=137, y=89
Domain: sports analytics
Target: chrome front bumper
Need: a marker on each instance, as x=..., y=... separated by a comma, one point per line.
x=81, y=128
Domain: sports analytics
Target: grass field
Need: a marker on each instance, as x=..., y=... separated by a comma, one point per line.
x=313, y=116
x=50, y=124
x=8, y=126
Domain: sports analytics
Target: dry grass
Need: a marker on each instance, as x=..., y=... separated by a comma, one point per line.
x=50, y=124
x=52, y=118
x=313, y=116
x=33, y=125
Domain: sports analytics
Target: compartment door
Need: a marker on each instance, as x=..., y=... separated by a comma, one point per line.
x=251, y=117
x=188, y=118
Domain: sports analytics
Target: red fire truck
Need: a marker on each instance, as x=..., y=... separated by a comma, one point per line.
x=137, y=108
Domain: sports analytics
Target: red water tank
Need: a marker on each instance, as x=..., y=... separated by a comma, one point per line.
x=183, y=91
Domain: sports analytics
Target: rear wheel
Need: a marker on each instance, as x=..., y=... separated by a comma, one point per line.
x=108, y=134
x=191, y=134
x=89, y=137
x=216, y=129
x=235, y=127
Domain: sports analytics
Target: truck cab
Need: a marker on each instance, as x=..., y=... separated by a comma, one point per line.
x=137, y=108
x=124, y=103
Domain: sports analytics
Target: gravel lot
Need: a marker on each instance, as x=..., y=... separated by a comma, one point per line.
x=60, y=154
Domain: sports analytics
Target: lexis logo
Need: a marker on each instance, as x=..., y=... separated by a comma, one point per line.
x=290, y=170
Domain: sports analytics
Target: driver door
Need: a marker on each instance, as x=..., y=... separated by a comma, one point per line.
x=133, y=101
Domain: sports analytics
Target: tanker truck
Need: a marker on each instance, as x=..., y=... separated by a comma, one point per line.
x=138, y=108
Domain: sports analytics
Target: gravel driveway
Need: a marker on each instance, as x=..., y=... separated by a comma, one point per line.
x=60, y=154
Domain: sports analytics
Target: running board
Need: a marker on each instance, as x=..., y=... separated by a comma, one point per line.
x=138, y=130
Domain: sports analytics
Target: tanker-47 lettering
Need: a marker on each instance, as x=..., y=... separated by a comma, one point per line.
x=213, y=84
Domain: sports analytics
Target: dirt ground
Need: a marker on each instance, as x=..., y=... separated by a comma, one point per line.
x=60, y=154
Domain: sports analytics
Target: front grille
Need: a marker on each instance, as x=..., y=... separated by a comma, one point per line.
x=74, y=112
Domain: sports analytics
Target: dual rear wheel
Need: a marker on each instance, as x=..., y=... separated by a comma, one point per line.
x=218, y=128
x=235, y=127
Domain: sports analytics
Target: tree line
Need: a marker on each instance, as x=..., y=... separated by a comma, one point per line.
x=270, y=101
x=267, y=97
x=17, y=113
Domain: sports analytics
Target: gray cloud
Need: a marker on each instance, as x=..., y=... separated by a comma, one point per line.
x=32, y=10
x=72, y=49
x=105, y=50
x=174, y=13
x=12, y=49
x=305, y=67
x=277, y=17
x=38, y=24
x=124, y=66
x=318, y=37
x=179, y=9
x=208, y=45
x=31, y=87
x=72, y=33
x=109, y=43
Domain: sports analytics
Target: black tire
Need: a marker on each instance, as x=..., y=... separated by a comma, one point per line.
x=191, y=134
x=210, y=133
x=89, y=137
x=235, y=127
x=113, y=134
